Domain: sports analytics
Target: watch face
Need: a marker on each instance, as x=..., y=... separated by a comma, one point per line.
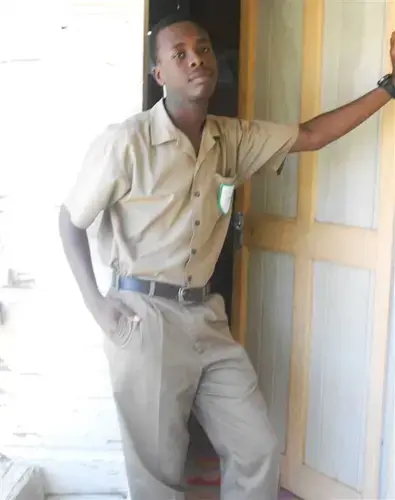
x=383, y=79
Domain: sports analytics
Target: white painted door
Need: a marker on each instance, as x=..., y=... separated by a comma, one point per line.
x=318, y=243
x=69, y=69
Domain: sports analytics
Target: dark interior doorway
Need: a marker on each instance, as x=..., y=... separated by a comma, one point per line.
x=221, y=18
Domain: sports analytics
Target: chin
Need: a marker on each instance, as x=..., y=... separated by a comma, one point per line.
x=203, y=93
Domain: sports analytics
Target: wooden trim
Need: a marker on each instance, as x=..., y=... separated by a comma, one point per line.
x=383, y=285
x=146, y=59
x=313, y=22
x=349, y=246
x=271, y=233
x=313, y=25
x=248, y=39
x=320, y=487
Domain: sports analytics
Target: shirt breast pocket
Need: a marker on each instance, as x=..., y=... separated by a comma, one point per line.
x=224, y=192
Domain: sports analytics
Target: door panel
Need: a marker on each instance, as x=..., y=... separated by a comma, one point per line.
x=351, y=64
x=341, y=343
x=278, y=98
x=269, y=330
x=336, y=244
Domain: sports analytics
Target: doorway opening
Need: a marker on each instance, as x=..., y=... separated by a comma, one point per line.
x=222, y=21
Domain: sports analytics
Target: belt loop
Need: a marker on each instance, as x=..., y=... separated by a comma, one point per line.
x=116, y=281
x=152, y=286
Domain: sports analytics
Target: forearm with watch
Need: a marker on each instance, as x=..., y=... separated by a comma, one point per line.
x=328, y=127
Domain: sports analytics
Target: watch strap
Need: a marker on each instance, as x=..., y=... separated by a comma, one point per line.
x=387, y=84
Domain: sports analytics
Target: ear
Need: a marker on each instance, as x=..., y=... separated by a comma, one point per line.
x=157, y=74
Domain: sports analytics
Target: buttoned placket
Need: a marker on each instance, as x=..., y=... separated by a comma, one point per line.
x=196, y=203
x=208, y=143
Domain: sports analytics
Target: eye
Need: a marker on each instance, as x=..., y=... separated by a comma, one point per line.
x=179, y=55
x=205, y=50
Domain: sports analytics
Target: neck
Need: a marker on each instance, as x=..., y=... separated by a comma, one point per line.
x=188, y=116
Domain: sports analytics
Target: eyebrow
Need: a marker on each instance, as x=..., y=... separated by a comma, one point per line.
x=202, y=39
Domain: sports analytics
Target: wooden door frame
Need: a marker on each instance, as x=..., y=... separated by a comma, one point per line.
x=309, y=240
x=248, y=40
x=146, y=56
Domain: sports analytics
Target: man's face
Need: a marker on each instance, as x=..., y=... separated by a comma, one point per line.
x=186, y=63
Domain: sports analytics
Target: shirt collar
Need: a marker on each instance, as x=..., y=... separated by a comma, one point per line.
x=163, y=130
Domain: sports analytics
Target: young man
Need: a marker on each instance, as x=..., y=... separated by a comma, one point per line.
x=164, y=181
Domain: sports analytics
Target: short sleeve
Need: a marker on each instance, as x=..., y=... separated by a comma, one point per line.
x=102, y=179
x=263, y=144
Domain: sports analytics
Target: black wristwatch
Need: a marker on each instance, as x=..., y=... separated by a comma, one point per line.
x=387, y=84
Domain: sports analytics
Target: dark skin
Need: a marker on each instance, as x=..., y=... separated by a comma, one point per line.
x=187, y=66
x=183, y=48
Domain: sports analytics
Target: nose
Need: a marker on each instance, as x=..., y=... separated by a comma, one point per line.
x=195, y=61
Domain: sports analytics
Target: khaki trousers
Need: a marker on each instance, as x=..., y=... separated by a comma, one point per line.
x=182, y=358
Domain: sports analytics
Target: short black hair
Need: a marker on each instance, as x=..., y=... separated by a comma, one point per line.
x=177, y=17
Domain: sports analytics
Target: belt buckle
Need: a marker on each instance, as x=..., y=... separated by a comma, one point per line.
x=152, y=288
x=181, y=292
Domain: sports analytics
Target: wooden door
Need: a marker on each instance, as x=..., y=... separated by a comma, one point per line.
x=312, y=280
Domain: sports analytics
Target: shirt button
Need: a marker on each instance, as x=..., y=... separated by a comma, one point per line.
x=197, y=222
x=199, y=348
x=193, y=251
x=196, y=194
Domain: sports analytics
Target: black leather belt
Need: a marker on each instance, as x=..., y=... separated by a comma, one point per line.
x=158, y=289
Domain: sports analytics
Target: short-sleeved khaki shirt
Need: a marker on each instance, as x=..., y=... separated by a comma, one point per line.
x=165, y=211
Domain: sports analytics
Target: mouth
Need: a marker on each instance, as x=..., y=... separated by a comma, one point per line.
x=201, y=76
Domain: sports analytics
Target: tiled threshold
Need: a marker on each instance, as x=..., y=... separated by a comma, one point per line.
x=284, y=495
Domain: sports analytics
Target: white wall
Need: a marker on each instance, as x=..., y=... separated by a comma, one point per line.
x=56, y=406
